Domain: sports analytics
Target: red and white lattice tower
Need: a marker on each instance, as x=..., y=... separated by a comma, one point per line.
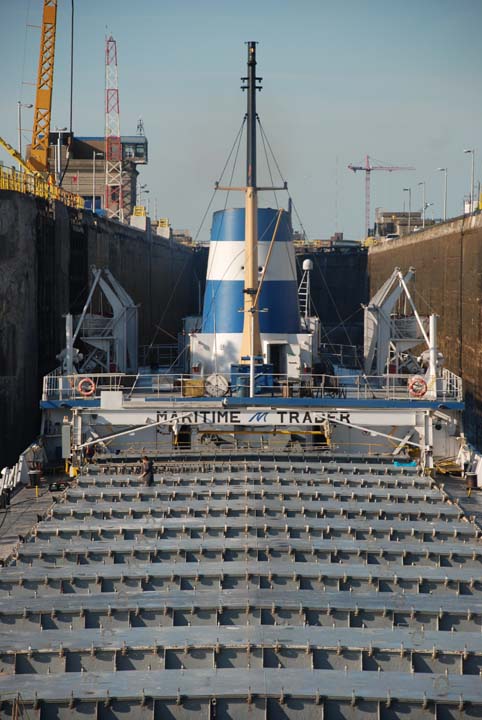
x=113, y=149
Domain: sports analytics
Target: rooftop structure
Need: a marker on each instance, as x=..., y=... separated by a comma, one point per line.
x=394, y=222
x=336, y=241
x=84, y=174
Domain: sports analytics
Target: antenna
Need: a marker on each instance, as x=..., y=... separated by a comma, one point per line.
x=251, y=341
x=251, y=117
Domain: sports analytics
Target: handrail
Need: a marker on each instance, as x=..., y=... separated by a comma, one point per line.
x=28, y=184
x=30, y=460
x=174, y=385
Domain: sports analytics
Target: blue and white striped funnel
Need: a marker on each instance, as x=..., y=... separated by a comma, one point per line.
x=224, y=297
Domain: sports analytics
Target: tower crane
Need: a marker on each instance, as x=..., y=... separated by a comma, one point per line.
x=367, y=169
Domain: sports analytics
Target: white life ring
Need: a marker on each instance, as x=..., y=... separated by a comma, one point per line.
x=417, y=387
x=86, y=387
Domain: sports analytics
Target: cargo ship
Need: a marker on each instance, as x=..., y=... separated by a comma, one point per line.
x=285, y=550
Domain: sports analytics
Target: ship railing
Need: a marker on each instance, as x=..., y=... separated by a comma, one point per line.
x=393, y=386
x=28, y=466
x=343, y=355
x=175, y=385
x=9, y=479
x=52, y=385
x=452, y=385
x=160, y=355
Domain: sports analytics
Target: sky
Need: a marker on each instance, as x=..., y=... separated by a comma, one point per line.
x=399, y=81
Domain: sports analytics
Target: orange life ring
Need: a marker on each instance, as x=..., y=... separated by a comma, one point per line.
x=417, y=387
x=86, y=391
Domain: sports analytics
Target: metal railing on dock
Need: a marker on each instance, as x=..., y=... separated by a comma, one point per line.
x=22, y=182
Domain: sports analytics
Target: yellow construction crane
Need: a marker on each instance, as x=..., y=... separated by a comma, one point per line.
x=37, y=179
x=24, y=163
x=38, y=162
x=39, y=152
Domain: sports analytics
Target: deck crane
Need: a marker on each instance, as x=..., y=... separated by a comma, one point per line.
x=367, y=169
x=38, y=164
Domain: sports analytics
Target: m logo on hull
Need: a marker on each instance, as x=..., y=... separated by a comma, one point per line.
x=259, y=417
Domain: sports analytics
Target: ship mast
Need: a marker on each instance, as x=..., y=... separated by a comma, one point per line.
x=251, y=341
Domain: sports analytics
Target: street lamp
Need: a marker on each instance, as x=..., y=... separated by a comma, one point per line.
x=59, y=132
x=471, y=152
x=94, y=156
x=142, y=188
x=444, y=170
x=422, y=185
x=21, y=105
x=409, y=190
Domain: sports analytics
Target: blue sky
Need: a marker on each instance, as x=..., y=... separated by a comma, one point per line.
x=400, y=81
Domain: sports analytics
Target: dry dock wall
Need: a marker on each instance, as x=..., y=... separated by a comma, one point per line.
x=45, y=256
x=19, y=337
x=448, y=263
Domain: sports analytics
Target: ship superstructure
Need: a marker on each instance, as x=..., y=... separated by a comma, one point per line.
x=251, y=312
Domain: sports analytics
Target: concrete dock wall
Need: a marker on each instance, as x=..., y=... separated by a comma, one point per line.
x=19, y=337
x=45, y=259
x=448, y=263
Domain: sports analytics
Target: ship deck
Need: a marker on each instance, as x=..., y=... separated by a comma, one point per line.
x=244, y=584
